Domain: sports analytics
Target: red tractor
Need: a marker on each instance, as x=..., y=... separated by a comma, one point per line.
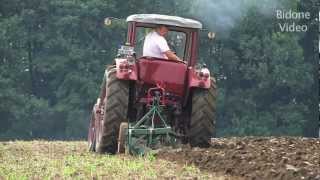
x=186, y=91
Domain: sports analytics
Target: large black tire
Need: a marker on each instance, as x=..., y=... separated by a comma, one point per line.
x=202, y=118
x=115, y=112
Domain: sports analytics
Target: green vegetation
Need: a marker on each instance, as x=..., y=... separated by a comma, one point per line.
x=70, y=160
x=53, y=54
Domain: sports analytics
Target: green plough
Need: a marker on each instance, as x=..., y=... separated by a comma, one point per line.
x=150, y=132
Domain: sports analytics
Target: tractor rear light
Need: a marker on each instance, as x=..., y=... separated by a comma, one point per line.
x=124, y=66
x=203, y=74
x=131, y=60
x=206, y=75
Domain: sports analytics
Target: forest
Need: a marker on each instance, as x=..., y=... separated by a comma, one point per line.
x=53, y=54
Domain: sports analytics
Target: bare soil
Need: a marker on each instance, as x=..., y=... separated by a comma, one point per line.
x=254, y=158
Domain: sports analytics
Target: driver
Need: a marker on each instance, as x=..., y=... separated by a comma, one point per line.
x=155, y=45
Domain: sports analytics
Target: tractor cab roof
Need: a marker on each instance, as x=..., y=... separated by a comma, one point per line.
x=165, y=20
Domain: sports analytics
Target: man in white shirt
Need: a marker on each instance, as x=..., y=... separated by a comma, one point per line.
x=155, y=45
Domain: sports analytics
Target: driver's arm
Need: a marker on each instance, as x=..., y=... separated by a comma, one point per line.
x=163, y=45
x=172, y=56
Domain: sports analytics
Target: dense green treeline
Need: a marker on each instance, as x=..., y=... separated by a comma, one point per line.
x=53, y=54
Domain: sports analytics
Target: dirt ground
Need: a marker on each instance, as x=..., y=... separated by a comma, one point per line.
x=254, y=158
x=247, y=158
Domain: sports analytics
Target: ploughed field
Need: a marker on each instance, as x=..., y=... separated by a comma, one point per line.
x=254, y=157
x=227, y=158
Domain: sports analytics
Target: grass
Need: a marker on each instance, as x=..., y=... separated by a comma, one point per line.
x=71, y=160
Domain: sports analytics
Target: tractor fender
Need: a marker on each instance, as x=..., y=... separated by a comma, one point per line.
x=195, y=80
x=126, y=70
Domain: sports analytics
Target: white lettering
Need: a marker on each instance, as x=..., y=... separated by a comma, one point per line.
x=307, y=15
x=279, y=14
x=292, y=15
x=304, y=28
x=282, y=26
x=286, y=27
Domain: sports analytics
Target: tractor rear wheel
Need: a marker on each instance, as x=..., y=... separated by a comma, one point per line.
x=202, y=120
x=115, y=111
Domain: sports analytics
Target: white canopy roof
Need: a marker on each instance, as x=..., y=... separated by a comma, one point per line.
x=165, y=19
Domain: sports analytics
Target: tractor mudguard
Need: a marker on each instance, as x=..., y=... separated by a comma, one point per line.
x=126, y=70
x=196, y=81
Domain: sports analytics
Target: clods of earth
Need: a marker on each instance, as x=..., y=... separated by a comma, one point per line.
x=254, y=158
